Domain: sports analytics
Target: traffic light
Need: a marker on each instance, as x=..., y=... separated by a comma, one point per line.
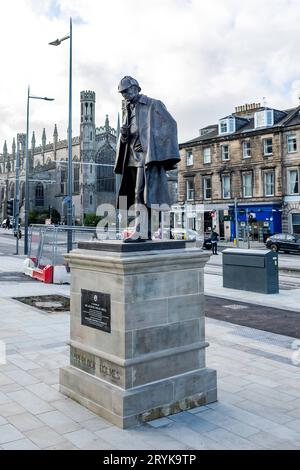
x=10, y=207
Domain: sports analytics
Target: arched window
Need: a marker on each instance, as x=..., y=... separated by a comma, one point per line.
x=22, y=193
x=91, y=199
x=105, y=170
x=76, y=178
x=39, y=195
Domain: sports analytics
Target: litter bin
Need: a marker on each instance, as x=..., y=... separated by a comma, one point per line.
x=251, y=270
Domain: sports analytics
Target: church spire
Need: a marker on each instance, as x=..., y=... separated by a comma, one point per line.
x=33, y=140
x=55, y=133
x=107, y=123
x=13, y=148
x=44, y=139
x=5, y=149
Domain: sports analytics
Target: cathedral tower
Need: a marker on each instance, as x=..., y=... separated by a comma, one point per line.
x=87, y=149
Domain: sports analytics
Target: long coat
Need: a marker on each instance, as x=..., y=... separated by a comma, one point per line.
x=158, y=137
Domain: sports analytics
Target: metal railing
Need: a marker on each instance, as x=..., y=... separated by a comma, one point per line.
x=49, y=243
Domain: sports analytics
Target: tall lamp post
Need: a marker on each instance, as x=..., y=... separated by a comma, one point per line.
x=58, y=42
x=29, y=97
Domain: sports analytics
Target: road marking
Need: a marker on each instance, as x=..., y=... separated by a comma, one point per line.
x=236, y=306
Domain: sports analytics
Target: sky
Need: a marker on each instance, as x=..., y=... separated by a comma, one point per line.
x=201, y=58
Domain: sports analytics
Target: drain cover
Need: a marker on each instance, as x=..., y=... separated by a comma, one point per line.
x=47, y=303
x=235, y=306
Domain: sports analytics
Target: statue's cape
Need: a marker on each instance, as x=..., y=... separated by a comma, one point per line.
x=158, y=138
x=157, y=133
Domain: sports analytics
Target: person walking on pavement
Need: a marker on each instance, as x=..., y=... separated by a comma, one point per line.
x=214, y=241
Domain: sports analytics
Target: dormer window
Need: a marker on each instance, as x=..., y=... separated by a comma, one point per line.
x=227, y=125
x=264, y=118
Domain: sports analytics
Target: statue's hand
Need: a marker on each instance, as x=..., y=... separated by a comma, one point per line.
x=124, y=133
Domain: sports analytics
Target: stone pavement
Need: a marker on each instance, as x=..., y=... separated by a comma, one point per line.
x=259, y=390
x=286, y=299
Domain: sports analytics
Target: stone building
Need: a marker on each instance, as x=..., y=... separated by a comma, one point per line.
x=93, y=153
x=251, y=155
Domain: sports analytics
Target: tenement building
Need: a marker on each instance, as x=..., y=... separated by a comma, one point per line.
x=250, y=158
x=93, y=154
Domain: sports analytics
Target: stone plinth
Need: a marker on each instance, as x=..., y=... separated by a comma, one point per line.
x=137, y=347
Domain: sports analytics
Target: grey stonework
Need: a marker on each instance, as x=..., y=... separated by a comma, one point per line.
x=152, y=363
x=48, y=168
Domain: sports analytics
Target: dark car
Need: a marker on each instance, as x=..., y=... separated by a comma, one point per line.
x=207, y=243
x=283, y=242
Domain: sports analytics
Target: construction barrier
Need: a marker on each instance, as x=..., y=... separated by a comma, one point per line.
x=47, y=247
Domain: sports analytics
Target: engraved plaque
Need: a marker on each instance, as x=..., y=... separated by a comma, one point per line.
x=109, y=371
x=83, y=360
x=95, y=310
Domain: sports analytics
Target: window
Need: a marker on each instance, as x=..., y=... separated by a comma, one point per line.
x=296, y=223
x=189, y=158
x=269, y=183
x=39, y=195
x=76, y=179
x=268, y=146
x=207, y=187
x=226, y=187
x=91, y=199
x=225, y=152
x=247, y=185
x=206, y=155
x=63, y=179
x=290, y=238
x=105, y=178
x=190, y=190
x=264, y=118
x=227, y=126
x=223, y=127
x=293, y=181
x=246, y=149
x=91, y=169
x=291, y=143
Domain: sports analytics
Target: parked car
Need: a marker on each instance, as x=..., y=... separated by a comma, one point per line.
x=283, y=242
x=207, y=243
x=4, y=223
x=185, y=234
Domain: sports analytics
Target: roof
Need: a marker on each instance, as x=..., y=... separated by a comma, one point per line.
x=286, y=118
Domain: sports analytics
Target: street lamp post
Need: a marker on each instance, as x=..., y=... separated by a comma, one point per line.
x=57, y=42
x=236, y=222
x=29, y=96
x=17, y=196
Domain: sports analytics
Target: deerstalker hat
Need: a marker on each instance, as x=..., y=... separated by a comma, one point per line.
x=127, y=82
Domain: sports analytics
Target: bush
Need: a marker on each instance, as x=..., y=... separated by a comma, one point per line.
x=91, y=220
x=41, y=217
x=32, y=217
x=55, y=216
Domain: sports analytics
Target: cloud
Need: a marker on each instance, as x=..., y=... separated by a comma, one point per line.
x=200, y=58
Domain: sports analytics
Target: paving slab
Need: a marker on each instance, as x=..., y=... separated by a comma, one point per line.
x=259, y=388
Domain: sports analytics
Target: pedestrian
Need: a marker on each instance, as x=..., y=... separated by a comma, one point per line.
x=214, y=241
x=7, y=223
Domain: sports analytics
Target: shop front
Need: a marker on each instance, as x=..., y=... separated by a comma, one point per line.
x=259, y=220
